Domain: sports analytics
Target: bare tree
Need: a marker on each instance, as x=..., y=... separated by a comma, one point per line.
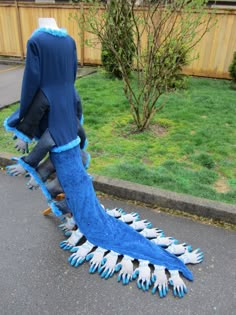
x=164, y=33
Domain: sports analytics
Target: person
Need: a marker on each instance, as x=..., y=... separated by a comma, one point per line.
x=51, y=66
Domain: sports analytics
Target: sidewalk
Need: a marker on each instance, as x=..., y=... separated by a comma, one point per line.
x=11, y=75
x=10, y=84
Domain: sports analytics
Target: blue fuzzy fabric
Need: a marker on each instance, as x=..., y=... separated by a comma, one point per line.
x=67, y=146
x=61, y=32
x=99, y=227
x=46, y=193
x=16, y=132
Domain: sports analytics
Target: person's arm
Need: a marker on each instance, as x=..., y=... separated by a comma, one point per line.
x=75, y=61
x=30, y=86
x=31, y=78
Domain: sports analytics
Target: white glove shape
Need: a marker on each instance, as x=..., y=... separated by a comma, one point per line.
x=116, y=212
x=164, y=241
x=80, y=253
x=129, y=217
x=143, y=272
x=15, y=170
x=160, y=281
x=68, y=225
x=72, y=241
x=21, y=146
x=32, y=184
x=140, y=225
x=108, y=265
x=151, y=233
x=178, y=249
x=194, y=257
x=179, y=287
x=96, y=258
x=126, y=269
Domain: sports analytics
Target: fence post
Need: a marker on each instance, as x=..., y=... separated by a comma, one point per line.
x=82, y=35
x=19, y=30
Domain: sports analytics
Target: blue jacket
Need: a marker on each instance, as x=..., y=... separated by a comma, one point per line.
x=51, y=65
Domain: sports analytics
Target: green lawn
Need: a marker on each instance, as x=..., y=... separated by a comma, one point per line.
x=190, y=147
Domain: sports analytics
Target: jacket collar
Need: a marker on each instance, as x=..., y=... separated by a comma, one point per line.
x=61, y=32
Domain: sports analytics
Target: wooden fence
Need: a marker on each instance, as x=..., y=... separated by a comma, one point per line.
x=19, y=19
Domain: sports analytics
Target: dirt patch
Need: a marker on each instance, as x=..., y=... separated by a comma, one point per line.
x=146, y=161
x=221, y=186
x=158, y=130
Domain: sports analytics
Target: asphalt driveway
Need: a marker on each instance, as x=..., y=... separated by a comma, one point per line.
x=36, y=278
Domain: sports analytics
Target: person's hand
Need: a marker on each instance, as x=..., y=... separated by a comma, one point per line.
x=179, y=287
x=80, y=253
x=178, y=249
x=140, y=225
x=15, y=170
x=194, y=257
x=129, y=217
x=151, y=233
x=116, y=212
x=95, y=259
x=143, y=272
x=126, y=268
x=32, y=184
x=107, y=268
x=72, y=241
x=164, y=241
x=21, y=146
x=160, y=281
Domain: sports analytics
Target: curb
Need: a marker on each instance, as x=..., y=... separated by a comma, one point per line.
x=157, y=197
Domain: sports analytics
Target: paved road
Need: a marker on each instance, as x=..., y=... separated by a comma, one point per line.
x=11, y=79
x=10, y=83
x=35, y=277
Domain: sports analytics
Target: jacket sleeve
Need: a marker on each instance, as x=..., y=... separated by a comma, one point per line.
x=38, y=108
x=75, y=61
x=31, y=78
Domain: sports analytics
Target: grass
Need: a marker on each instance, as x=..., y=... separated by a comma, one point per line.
x=189, y=148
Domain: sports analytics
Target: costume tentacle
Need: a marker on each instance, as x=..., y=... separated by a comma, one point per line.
x=104, y=261
x=98, y=227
